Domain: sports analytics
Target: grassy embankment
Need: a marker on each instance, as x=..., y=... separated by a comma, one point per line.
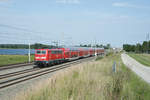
x=91, y=81
x=14, y=59
x=142, y=58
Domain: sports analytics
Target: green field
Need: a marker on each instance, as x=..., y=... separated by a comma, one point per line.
x=14, y=59
x=142, y=58
x=92, y=81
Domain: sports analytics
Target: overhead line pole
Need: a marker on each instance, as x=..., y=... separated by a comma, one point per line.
x=148, y=43
x=95, y=46
x=29, y=53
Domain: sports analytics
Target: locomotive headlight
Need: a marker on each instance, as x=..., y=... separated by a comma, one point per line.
x=37, y=57
x=40, y=57
x=43, y=57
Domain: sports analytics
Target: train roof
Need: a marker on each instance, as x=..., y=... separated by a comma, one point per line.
x=85, y=48
x=73, y=48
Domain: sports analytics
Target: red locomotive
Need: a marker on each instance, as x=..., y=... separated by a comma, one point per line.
x=46, y=57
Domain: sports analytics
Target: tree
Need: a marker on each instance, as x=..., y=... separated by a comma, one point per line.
x=89, y=45
x=145, y=46
x=108, y=46
x=138, y=48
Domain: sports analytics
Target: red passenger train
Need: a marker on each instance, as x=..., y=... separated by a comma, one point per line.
x=46, y=57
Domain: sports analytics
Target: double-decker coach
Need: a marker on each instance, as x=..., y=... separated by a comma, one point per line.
x=46, y=57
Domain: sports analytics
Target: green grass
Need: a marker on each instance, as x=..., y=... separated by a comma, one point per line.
x=92, y=81
x=134, y=88
x=14, y=59
x=142, y=58
x=99, y=58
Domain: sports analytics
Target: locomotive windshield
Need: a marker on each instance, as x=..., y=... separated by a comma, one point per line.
x=40, y=52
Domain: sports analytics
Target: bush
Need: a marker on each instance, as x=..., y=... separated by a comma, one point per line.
x=99, y=58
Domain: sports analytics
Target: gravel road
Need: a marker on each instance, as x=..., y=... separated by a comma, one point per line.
x=139, y=69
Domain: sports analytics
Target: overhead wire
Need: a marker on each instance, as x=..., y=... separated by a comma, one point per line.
x=27, y=34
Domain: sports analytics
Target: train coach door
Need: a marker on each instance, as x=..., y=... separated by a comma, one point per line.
x=62, y=54
x=59, y=54
x=49, y=55
x=70, y=54
x=53, y=55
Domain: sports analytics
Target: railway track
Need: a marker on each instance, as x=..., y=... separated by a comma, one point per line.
x=11, y=66
x=18, y=73
x=34, y=73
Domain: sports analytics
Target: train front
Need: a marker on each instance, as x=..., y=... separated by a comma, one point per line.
x=41, y=57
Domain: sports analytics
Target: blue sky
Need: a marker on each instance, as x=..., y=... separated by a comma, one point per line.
x=74, y=21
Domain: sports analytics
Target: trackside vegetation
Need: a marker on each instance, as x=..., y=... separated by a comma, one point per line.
x=99, y=58
x=138, y=48
x=25, y=46
x=141, y=58
x=14, y=59
x=91, y=81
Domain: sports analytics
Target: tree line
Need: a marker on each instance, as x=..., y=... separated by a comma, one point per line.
x=107, y=46
x=138, y=48
x=43, y=46
x=26, y=46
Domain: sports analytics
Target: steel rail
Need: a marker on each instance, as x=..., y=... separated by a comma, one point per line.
x=40, y=73
x=18, y=73
x=14, y=66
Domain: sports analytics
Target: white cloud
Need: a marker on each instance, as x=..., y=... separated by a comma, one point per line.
x=127, y=5
x=118, y=4
x=68, y=1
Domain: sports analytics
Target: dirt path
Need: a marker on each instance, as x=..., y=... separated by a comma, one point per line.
x=139, y=69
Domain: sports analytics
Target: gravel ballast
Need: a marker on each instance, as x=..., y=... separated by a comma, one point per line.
x=11, y=92
x=139, y=69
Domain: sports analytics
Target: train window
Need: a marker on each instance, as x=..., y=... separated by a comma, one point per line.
x=53, y=52
x=40, y=52
x=44, y=52
x=66, y=53
x=56, y=52
x=60, y=52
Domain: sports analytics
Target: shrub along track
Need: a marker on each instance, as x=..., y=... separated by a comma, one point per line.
x=36, y=73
